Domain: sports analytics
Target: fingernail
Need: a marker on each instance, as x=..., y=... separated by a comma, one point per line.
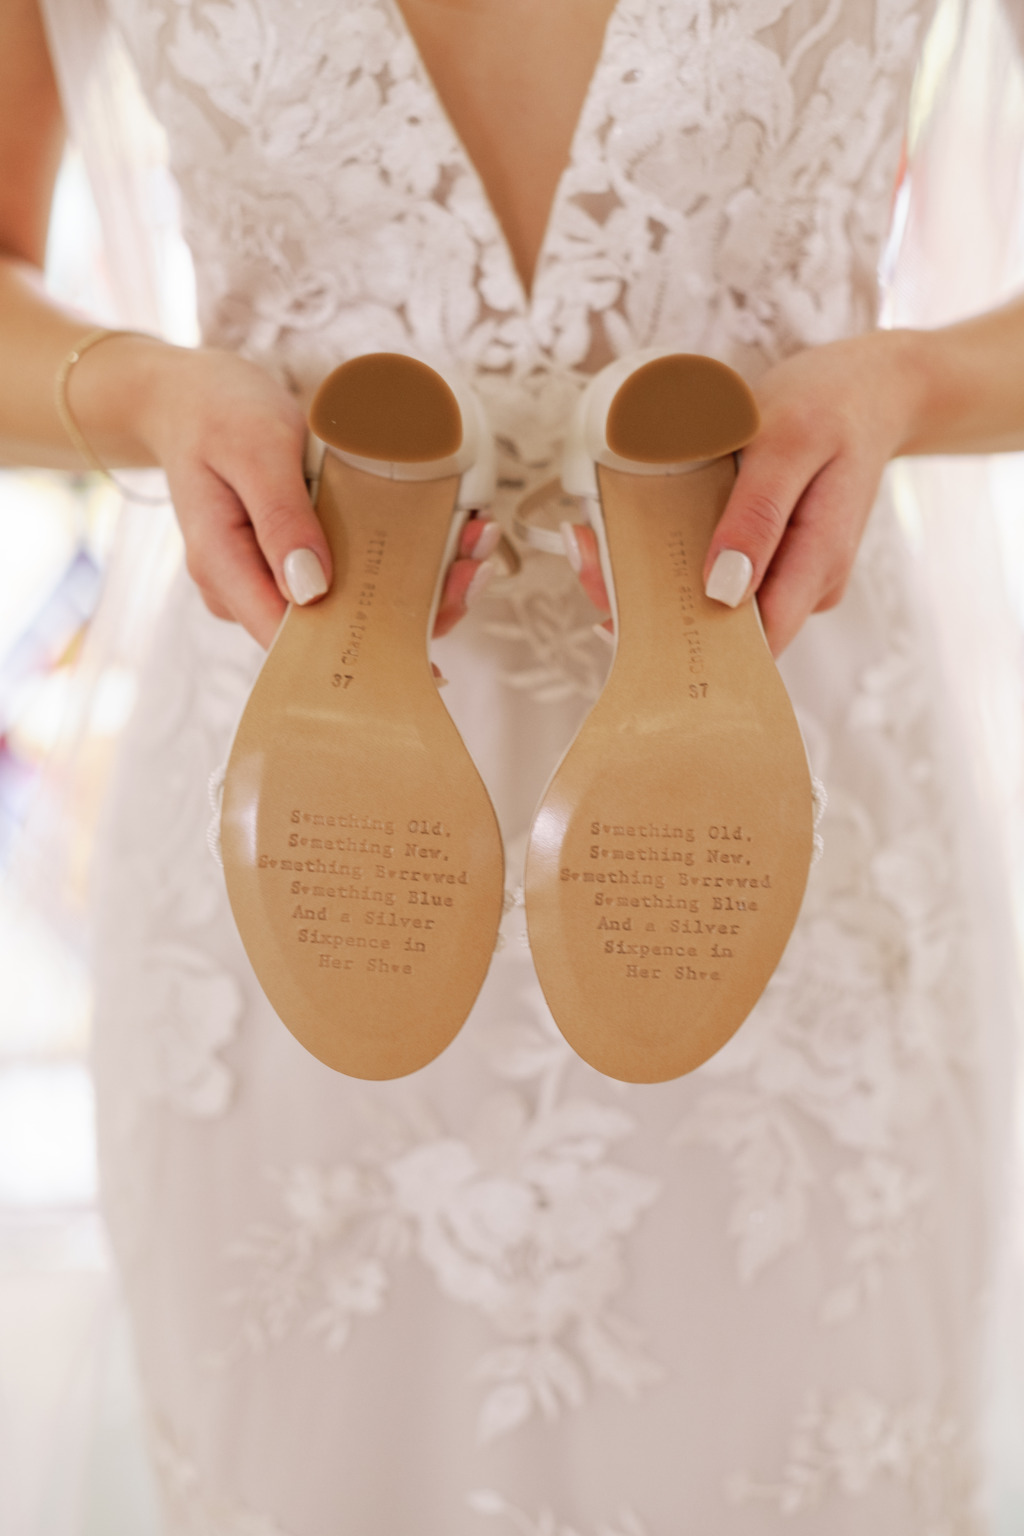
x=730, y=578
x=304, y=576
x=487, y=543
x=481, y=580
x=604, y=634
x=573, y=553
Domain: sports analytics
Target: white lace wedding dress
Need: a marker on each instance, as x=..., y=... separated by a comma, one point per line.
x=507, y=1295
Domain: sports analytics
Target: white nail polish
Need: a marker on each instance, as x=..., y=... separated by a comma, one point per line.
x=481, y=580
x=572, y=546
x=304, y=575
x=730, y=578
x=487, y=543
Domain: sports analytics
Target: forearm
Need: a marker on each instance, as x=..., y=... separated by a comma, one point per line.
x=964, y=384
x=105, y=392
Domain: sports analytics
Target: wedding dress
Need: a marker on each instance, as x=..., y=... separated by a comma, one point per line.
x=506, y=1294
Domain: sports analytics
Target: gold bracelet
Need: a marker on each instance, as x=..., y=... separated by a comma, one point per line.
x=71, y=426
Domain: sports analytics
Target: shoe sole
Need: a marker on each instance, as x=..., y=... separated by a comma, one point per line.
x=667, y=863
x=362, y=855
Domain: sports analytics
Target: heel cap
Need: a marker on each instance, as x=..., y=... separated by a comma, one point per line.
x=681, y=407
x=387, y=407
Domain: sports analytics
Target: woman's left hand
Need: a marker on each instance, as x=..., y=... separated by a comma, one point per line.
x=831, y=418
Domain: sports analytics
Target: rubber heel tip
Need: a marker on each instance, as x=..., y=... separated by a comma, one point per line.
x=678, y=408
x=388, y=407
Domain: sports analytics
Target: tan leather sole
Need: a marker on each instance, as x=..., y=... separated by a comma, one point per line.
x=668, y=860
x=362, y=855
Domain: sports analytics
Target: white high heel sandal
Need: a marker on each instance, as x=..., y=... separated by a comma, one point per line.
x=362, y=855
x=669, y=855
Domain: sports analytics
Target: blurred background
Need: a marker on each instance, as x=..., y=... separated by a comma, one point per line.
x=72, y=1456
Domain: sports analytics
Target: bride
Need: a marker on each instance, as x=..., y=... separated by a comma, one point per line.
x=507, y=1293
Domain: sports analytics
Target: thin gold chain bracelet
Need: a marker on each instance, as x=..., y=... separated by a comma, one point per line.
x=70, y=425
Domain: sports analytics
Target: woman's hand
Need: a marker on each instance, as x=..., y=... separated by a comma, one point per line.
x=231, y=441
x=831, y=418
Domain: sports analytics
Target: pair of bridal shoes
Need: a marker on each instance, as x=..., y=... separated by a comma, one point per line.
x=670, y=851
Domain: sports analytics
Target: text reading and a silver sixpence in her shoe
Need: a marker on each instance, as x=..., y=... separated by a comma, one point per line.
x=363, y=892
x=669, y=903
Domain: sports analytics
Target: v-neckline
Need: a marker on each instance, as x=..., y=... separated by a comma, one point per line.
x=527, y=295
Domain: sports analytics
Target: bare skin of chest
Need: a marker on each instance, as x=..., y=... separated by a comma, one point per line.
x=513, y=76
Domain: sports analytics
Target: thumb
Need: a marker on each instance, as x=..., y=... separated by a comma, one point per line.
x=271, y=485
x=768, y=487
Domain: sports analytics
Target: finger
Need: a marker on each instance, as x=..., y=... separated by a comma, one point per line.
x=223, y=556
x=479, y=538
x=215, y=606
x=832, y=597
x=813, y=560
x=270, y=485
x=583, y=555
x=772, y=479
x=464, y=584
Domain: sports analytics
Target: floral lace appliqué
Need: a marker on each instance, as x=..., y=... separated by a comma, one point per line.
x=848, y=1445
x=190, y=1011
x=546, y=617
x=197, y=1511
x=524, y=1221
x=486, y=1502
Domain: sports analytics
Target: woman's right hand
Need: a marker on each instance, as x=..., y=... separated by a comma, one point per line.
x=230, y=439
x=231, y=442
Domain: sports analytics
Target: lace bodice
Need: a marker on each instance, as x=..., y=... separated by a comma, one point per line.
x=728, y=189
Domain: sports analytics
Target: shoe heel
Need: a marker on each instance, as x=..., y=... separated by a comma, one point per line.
x=362, y=855
x=669, y=855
